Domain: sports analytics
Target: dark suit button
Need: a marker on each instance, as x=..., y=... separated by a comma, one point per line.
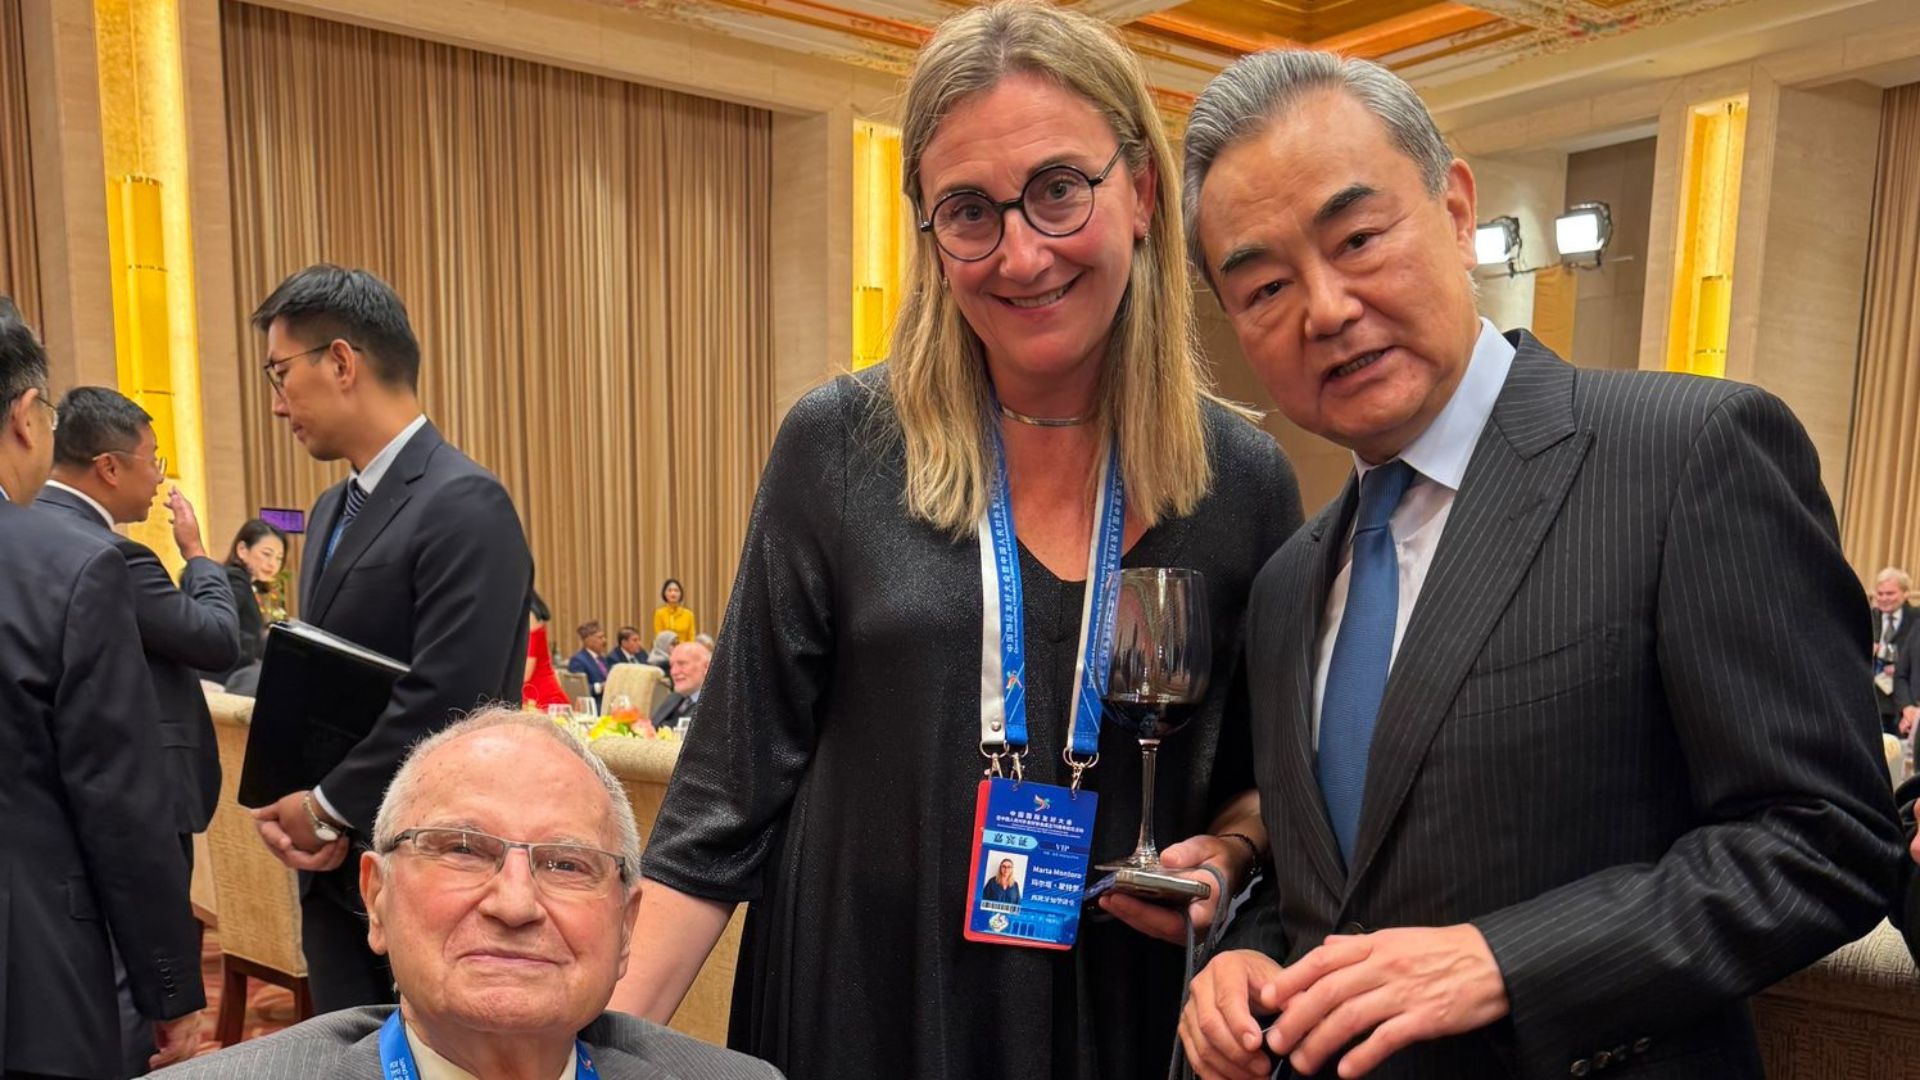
x=1581, y=1068
x=1620, y=1053
x=1352, y=928
x=1602, y=1059
x=1642, y=1044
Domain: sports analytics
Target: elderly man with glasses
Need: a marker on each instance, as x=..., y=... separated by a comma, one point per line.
x=502, y=888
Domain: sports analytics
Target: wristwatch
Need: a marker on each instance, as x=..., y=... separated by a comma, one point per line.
x=327, y=833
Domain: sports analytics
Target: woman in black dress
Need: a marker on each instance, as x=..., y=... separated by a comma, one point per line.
x=831, y=782
x=253, y=572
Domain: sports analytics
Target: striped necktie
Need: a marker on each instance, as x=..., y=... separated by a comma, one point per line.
x=1362, y=653
x=356, y=498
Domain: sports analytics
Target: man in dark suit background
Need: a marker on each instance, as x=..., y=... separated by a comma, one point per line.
x=587, y=662
x=418, y=554
x=89, y=849
x=1896, y=634
x=106, y=472
x=1561, y=744
x=688, y=669
x=627, y=648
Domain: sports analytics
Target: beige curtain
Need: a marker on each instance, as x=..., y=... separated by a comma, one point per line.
x=19, y=255
x=1881, y=522
x=585, y=264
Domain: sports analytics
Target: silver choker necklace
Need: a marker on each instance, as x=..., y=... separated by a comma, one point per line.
x=1045, y=421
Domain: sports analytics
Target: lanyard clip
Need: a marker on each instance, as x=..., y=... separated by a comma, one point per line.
x=993, y=757
x=1079, y=767
x=999, y=752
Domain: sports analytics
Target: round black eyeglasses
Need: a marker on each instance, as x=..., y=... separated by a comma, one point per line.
x=1056, y=201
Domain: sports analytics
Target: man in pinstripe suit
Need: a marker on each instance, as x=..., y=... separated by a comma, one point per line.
x=1558, y=728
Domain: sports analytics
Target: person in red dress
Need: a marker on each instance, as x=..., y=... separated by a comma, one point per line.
x=542, y=687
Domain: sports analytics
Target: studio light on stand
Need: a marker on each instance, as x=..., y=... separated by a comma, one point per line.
x=1583, y=231
x=1497, y=242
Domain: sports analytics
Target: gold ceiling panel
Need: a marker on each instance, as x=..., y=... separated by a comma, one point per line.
x=1428, y=41
x=1282, y=22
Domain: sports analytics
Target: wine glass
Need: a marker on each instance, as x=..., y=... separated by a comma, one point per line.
x=586, y=713
x=1162, y=659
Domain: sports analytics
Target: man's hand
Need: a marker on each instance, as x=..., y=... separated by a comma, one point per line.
x=1161, y=921
x=186, y=526
x=1218, y=1028
x=175, y=1040
x=1403, y=986
x=1908, y=716
x=288, y=832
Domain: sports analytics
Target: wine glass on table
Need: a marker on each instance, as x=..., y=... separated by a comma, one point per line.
x=586, y=713
x=1162, y=660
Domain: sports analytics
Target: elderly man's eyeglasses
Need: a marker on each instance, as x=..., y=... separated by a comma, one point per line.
x=466, y=858
x=275, y=367
x=53, y=411
x=1056, y=201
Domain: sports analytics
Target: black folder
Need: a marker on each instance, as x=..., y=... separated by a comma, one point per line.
x=319, y=696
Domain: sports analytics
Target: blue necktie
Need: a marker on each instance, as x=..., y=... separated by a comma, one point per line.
x=1357, y=674
x=356, y=498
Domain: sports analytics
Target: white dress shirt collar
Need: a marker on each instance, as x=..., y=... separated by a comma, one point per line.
x=434, y=1067
x=88, y=499
x=1441, y=452
x=369, y=477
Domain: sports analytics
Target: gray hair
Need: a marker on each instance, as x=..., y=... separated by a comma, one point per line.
x=405, y=783
x=1256, y=91
x=663, y=643
x=1897, y=576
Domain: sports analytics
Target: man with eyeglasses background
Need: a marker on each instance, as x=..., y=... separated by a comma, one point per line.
x=417, y=554
x=89, y=855
x=503, y=886
x=106, y=473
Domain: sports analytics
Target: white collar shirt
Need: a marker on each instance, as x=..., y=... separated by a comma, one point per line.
x=434, y=1067
x=369, y=477
x=1439, y=457
x=88, y=499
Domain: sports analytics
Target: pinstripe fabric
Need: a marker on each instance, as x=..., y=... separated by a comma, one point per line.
x=1624, y=735
x=344, y=1045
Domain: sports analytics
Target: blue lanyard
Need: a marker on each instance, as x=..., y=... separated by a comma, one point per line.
x=396, y=1056
x=1003, y=698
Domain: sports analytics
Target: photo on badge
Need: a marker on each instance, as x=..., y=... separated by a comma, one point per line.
x=1006, y=875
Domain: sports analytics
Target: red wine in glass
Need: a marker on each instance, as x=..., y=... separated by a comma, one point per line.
x=1162, y=659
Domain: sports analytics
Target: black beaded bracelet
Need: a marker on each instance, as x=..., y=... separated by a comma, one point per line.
x=1253, y=849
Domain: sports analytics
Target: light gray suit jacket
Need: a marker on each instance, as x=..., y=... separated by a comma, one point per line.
x=345, y=1045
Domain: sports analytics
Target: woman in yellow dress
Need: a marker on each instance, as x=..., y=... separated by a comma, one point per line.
x=671, y=616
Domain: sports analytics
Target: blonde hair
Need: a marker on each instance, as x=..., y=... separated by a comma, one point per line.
x=1151, y=385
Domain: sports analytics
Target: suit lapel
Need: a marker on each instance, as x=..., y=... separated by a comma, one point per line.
x=1521, y=470
x=395, y=488
x=325, y=510
x=1326, y=535
x=359, y=1060
x=72, y=505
